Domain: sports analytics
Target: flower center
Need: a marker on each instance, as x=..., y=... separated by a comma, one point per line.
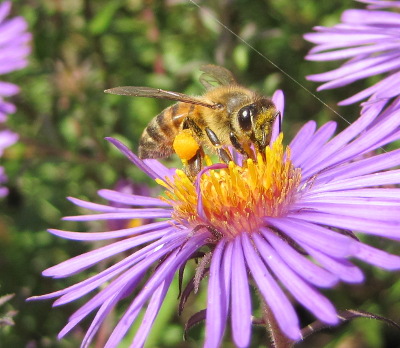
x=235, y=199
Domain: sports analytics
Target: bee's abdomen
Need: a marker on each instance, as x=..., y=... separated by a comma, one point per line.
x=158, y=136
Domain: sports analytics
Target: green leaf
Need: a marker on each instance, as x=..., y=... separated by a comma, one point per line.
x=101, y=22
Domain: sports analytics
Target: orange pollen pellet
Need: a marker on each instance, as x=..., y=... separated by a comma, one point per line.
x=185, y=145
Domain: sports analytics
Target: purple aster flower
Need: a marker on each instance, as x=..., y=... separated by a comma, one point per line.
x=370, y=41
x=14, y=50
x=289, y=221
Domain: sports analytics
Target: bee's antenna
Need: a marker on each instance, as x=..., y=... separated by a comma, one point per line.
x=280, y=121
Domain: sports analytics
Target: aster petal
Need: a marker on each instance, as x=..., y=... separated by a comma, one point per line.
x=161, y=170
x=381, y=194
x=3, y=191
x=3, y=116
x=226, y=275
x=391, y=138
x=5, y=8
x=378, y=257
x=279, y=100
x=366, y=17
x=335, y=200
x=315, y=302
x=122, y=286
x=67, y=328
x=7, y=138
x=95, y=236
x=102, y=302
x=134, y=214
x=168, y=267
x=273, y=295
x=368, y=140
x=382, y=178
x=131, y=199
x=96, y=323
x=338, y=39
x=369, y=226
x=351, y=72
x=361, y=95
x=388, y=87
x=16, y=39
x=115, y=289
x=308, y=270
x=8, y=89
x=83, y=261
x=351, y=52
x=302, y=138
x=319, y=138
x=6, y=108
x=16, y=56
x=341, y=267
x=350, y=68
x=362, y=208
x=384, y=112
x=241, y=303
x=328, y=241
x=82, y=288
x=216, y=305
x=153, y=308
x=317, y=163
x=134, y=159
x=104, y=207
x=11, y=28
x=361, y=167
x=15, y=61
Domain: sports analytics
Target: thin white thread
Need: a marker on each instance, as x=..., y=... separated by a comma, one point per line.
x=269, y=60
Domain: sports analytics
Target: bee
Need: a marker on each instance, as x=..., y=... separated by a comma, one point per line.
x=227, y=114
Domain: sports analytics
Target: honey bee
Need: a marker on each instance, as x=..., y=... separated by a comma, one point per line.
x=228, y=114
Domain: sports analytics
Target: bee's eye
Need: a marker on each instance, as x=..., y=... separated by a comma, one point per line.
x=244, y=117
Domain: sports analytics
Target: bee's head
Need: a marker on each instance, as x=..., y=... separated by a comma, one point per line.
x=256, y=120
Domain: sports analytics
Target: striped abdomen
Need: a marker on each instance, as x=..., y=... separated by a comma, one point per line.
x=159, y=135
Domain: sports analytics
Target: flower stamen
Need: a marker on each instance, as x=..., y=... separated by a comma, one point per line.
x=235, y=199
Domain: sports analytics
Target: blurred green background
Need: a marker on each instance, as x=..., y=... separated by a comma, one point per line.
x=80, y=48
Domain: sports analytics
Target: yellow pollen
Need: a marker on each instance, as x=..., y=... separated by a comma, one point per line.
x=185, y=145
x=237, y=198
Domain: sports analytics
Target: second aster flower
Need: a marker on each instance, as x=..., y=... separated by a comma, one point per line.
x=14, y=50
x=369, y=39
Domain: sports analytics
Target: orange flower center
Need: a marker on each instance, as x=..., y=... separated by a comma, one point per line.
x=237, y=198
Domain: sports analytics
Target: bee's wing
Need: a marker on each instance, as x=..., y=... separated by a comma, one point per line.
x=149, y=92
x=214, y=74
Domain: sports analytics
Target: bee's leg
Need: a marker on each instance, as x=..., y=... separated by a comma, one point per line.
x=190, y=124
x=194, y=165
x=236, y=144
x=222, y=153
x=245, y=151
